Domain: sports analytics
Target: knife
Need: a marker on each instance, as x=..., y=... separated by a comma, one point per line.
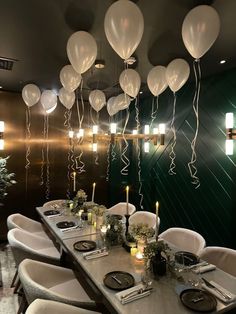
x=210, y=285
x=135, y=292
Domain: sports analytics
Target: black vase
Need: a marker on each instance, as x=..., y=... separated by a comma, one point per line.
x=158, y=264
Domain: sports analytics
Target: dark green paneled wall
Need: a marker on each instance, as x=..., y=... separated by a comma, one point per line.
x=211, y=209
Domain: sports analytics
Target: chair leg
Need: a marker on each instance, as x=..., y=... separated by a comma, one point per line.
x=23, y=305
x=14, y=279
x=18, y=287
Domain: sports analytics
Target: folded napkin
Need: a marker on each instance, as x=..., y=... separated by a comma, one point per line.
x=204, y=269
x=217, y=294
x=68, y=229
x=93, y=252
x=97, y=255
x=121, y=296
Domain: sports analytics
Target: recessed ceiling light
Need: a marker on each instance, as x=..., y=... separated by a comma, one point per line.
x=222, y=61
x=140, y=92
x=0, y=86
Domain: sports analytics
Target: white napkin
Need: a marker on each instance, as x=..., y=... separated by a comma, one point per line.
x=97, y=255
x=134, y=297
x=93, y=252
x=204, y=269
x=55, y=215
x=217, y=294
x=68, y=229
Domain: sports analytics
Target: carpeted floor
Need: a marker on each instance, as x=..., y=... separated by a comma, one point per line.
x=8, y=300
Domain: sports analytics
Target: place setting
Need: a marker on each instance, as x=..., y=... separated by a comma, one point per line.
x=66, y=226
x=89, y=249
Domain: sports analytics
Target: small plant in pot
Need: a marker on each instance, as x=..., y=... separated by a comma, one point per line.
x=115, y=229
x=156, y=256
x=141, y=232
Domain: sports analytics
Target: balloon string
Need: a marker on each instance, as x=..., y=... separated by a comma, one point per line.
x=28, y=150
x=79, y=164
x=113, y=152
x=91, y=115
x=124, y=158
x=108, y=161
x=82, y=104
x=138, y=155
x=67, y=116
x=42, y=151
x=154, y=111
x=191, y=164
x=47, y=193
x=96, y=161
x=172, y=154
x=68, y=170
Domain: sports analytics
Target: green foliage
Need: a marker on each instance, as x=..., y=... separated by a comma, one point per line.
x=154, y=247
x=6, y=179
x=141, y=231
x=99, y=210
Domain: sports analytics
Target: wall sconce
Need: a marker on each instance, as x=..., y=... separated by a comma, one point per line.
x=146, y=147
x=162, y=131
x=230, y=133
x=155, y=132
x=113, y=132
x=94, y=147
x=135, y=132
x=2, y=128
x=80, y=133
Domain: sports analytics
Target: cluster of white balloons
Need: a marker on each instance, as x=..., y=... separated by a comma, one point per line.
x=31, y=95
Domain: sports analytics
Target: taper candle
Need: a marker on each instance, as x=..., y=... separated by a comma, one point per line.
x=74, y=181
x=127, y=200
x=157, y=212
x=94, y=185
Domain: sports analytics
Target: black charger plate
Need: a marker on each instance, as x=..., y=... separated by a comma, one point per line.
x=186, y=258
x=65, y=224
x=198, y=300
x=118, y=280
x=85, y=246
x=51, y=212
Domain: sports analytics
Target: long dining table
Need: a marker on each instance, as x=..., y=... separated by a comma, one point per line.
x=163, y=299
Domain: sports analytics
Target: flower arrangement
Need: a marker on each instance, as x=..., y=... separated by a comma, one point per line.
x=114, y=230
x=81, y=194
x=99, y=210
x=6, y=179
x=141, y=231
x=79, y=199
x=153, y=248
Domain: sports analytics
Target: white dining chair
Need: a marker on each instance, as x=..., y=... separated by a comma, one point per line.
x=121, y=209
x=222, y=257
x=22, y=222
x=184, y=239
x=46, y=281
x=40, y=306
x=26, y=245
x=144, y=217
x=55, y=203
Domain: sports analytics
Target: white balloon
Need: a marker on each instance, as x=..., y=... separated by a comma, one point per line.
x=51, y=109
x=69, y=78
x=130, y=82
x=124, y=26
x=177, y=74
x=66, y=98
x=31, y=94
x=48, y=99
x=81, y=51
x=156, y=80
x=110, y=106
x=200, y=29
x=122, y=102
x=97, y=99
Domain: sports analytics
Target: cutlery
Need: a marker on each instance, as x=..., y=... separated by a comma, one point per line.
x=135, y=292
x=197, y=299
x=198, y=265
x=208, y=284
x=71, y=229
x=116, y=279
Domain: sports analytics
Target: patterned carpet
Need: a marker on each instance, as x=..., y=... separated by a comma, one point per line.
x=8, y=301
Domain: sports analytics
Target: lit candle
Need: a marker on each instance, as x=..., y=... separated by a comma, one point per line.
x=139, y=255
x=94, y=185
x=133, y=251
x=127, y=200
x=95, y=224
x=103, y=229
x=80, y=213
x=89, y=218
x=74, y=181
x=157, y=227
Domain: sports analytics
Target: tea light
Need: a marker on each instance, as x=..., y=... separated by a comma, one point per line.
x=133, y=251
x=71, y=205
x=139, y=255
x=103, y=229
x=95, y=224
x=80, y=213
x=89, y=217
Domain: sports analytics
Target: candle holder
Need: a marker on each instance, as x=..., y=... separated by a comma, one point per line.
x=126, y=225
x=127, y=245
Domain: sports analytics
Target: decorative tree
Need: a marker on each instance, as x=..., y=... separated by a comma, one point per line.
x=6, y=179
